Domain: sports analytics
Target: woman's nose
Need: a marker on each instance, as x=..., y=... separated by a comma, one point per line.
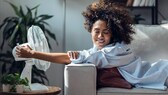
x=100, y=35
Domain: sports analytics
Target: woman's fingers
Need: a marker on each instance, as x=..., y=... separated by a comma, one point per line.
x=29, y=47
x=18, y=51
x=23, y=51
x=73, y=54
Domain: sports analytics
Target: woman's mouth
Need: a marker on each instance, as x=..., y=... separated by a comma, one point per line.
x=100, y=41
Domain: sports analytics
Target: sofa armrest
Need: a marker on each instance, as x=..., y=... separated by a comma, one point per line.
x=80, y=79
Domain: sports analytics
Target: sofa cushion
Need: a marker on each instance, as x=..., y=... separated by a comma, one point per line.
x=134, y=91
x=151, y=42
x=111, y=77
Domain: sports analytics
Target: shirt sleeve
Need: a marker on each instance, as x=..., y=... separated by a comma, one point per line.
x=82, y=57
x=112, y=56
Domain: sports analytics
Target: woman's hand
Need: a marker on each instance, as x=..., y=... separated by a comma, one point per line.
x=73, y=54
x=24, y=51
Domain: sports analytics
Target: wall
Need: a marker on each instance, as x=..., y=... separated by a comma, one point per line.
x=77, y=37
x=67, y=26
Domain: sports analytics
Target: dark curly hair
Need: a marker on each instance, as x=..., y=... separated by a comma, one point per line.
x=116, y=16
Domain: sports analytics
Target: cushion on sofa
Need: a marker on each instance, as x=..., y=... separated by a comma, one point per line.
x=134, y=91
x=111, y=77
x=151, y=42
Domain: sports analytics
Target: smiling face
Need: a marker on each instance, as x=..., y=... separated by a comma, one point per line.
x=100, y=33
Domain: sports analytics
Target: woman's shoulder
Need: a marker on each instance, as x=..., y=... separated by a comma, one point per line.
x=117, y=49
x=122, y=48
x=122, y=45
x=117, y=46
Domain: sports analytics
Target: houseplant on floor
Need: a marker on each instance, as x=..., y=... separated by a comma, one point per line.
x=14, y=30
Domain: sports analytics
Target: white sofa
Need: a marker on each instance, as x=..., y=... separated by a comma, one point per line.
x=151, y=43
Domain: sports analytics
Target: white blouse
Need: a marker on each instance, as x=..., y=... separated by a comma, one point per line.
x=139, y=73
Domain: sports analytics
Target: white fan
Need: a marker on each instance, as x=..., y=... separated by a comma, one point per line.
x=37, y=41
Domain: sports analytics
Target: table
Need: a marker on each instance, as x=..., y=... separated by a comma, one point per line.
x=52, y=91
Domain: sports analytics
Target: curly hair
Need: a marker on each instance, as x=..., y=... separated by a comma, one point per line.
x=116, y=16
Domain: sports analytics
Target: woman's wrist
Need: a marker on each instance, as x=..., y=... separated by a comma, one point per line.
x=32, y=53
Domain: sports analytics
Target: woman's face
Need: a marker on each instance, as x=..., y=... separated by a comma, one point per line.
x=100, y=33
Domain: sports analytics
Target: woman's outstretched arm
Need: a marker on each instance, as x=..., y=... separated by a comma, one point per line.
x=27, y=52
x=61, y=58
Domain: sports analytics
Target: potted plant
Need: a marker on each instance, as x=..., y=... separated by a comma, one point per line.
x=13, y=83
x=20, y=84
x=14, y=31
x=6, y=81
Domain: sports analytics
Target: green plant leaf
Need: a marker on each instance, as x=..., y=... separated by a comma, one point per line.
x=28, y=16
x=13, y=36
x=16, y=10
x=52, y=35
x=43, y=22
x=45, y=17
x=35, y=13
x=8, y=23
x=23, y=33
x=21, y=12
x=7, y=30
x=5, y=21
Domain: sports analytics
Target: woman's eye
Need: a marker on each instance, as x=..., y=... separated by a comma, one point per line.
x=106, y=32
x=96, y=31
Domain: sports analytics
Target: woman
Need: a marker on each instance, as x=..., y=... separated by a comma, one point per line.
x=110, y=27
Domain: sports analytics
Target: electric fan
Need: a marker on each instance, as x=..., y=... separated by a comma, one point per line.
x=37, y=41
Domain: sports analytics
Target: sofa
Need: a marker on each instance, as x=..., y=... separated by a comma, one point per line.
x=150, y=43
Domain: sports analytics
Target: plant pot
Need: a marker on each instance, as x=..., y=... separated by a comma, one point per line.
x=6, y=87
x=27, y=89
x=19, y=88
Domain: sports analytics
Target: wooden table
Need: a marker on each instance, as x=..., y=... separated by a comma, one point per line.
x=52, y=91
